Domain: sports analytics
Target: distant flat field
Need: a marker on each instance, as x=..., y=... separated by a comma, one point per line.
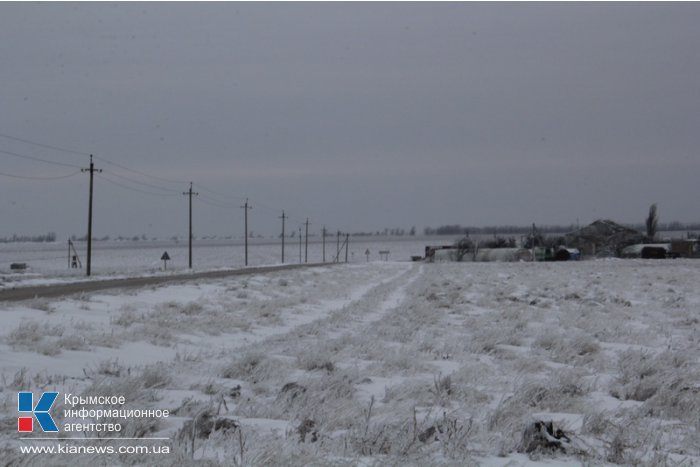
x=131, y=258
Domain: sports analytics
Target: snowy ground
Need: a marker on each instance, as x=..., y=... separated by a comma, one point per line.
x=386, y=363
x=48, y=262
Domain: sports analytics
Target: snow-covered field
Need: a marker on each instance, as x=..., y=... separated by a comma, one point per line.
x=380, y=363
x=48, y=262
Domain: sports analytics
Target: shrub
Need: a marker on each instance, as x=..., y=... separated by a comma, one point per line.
x=72, y=342
x=254, y=367
x=641, y=374
x=315, y=361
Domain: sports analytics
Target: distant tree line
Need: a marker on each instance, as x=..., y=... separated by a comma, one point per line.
x=387, y=232
x=49, y=237
x=120, y=238
x=666, y=226
x=451, y=229
x=456, y=229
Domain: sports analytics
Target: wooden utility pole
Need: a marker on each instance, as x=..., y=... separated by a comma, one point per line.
x=534, y=257
x=347, y=244
x=246, y=207
x=306, y=242
x=92, y=171
x=283, y=217
x=324, y=243
x=337, y=247
x=190, y=193
x=300, y=245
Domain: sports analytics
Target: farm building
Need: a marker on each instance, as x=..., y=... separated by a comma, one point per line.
x=603, y=238
x=646, y=250
x=685, y=248
x=501, y=255
x=480, y=255
x=672, y=249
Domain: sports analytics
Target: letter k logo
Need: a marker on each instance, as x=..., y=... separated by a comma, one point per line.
x=25, y=403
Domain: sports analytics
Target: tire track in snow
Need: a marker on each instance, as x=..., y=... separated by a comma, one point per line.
x=366, y=305
x=395, y=298
x=375, y=303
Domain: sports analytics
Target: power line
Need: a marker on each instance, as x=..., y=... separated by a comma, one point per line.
x=265, y=207
x=228, y=196
x=216, y=202
x=106, y=161
x=24, y=156
x=23, y=177
x=142, y=183
x=213, y=201
x=221, y=194
x=144, y=174
x=80, y=153
x=206, y=199
x=137, y=190
x=43, y=145
x=217, y=205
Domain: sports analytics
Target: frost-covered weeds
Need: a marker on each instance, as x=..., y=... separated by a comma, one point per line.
x=254, y=367
x=44, y=338
x=138, y=385
x=437, y=364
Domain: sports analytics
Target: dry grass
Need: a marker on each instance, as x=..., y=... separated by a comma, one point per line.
x=442, y=365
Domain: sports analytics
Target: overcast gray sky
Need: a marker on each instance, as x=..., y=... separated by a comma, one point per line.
x=359, y=116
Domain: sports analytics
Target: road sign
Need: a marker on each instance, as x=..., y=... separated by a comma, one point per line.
x=165, y=259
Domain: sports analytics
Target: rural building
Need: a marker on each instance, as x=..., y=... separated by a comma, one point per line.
x=672, y=249
x=603, y=238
